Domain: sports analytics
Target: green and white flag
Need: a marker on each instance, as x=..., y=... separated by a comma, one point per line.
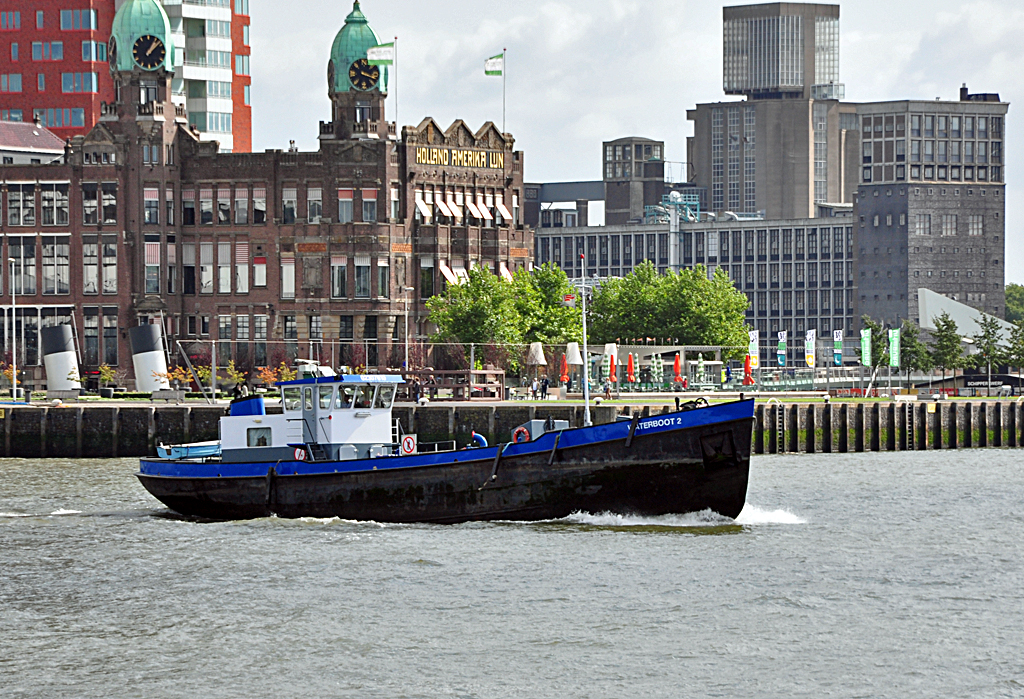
x=495, y=65
x=894, y=348
x=381, y=55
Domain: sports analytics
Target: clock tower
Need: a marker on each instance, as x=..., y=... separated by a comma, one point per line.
x=357, y=89
x=143, y=125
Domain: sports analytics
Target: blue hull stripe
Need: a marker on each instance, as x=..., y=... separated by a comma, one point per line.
x=582, y=436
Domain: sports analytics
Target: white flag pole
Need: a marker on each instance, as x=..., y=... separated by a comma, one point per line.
x=504, y=71
x=398, y=124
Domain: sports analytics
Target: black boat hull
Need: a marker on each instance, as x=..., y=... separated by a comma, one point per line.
x=687, y=470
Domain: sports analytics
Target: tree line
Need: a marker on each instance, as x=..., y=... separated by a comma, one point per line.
x=688, y=307
x=945, y=351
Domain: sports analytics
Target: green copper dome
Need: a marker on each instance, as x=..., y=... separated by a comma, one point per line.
x=137, y=19
x=350, y=45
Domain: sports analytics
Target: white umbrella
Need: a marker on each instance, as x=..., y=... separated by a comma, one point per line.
x=573, y=355
x=536, y=356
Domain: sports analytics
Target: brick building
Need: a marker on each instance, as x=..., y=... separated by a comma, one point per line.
x=269, y=254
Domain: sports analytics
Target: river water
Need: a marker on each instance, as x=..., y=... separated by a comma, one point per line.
x=871, y=575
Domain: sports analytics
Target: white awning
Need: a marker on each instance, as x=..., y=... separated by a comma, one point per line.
x=443, y=207
x=473, y=210
x=447, y=273
x=505, y=213
x=505, y=274
x=424, y=209
x=460, y=271
x=484, y=211
x=454, y=208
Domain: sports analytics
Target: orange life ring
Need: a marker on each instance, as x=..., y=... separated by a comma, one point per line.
x=520, y=435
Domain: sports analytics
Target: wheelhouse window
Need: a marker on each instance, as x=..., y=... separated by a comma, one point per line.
x=292, y=398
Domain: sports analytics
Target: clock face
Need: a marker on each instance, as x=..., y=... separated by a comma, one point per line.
x=112, y=53
x=362, y=75
x=149, y=52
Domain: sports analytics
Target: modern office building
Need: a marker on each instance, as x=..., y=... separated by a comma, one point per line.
x=793, y=144
x=269, y=255
x=798, y=275
x=931, y=204
x=782, y=50
x=54, y=65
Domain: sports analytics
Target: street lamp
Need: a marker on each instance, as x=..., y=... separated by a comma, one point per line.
x=14, y=337
x=407, y=300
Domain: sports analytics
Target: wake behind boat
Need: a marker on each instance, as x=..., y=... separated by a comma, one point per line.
x=333, y=453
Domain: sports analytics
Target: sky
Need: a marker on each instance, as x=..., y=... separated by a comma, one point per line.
x=580, y=72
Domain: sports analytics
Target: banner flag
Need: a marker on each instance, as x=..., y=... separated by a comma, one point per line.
x=782, y=348
x=495, y=65
x=894, y=348
x=865, y=347
x=837, y=347
x=753, y=349
x=810, y=352
x=381, y=55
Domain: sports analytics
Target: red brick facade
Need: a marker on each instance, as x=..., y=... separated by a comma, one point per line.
x=59, y=110
x=393, y=213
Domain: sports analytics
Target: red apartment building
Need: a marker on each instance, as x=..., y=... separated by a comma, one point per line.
x=53, y=64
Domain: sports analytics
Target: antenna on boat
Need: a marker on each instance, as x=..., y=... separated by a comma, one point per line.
x=586, y=357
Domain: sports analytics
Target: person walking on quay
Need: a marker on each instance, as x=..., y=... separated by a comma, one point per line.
x=607, y=389
x=544, y=388
x=416, y=389
x=533, y=388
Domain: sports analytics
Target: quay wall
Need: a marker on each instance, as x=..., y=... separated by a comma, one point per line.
x=112, y=431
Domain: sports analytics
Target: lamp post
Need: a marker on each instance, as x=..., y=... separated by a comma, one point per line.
x=406, y=290
x=14, y=337
x=586, y=356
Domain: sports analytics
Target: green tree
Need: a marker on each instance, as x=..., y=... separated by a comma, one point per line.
x=482, y=310
x=1015, y=349
x=489, y=311
x=540, y=297
x=946, y=350
x=914, y=354
x=988, y=341
x=685, y=306
x=1014, y=302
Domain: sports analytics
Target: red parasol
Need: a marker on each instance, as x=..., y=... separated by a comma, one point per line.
x=677, y=367
x=611, y=368
x=630, y=369
x=565, y=371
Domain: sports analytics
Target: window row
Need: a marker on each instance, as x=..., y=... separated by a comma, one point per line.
x=43, y=265
x=945, y=173
x=641, y=151
x=801, y=303
x=789, y=275
x=59, y=117
x=932, y=126
x=949, y=224
x=970, y=152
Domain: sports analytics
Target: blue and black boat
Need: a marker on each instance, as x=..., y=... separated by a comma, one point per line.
x=333, y=452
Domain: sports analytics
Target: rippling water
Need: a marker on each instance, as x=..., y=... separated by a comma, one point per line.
x=872, y=575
